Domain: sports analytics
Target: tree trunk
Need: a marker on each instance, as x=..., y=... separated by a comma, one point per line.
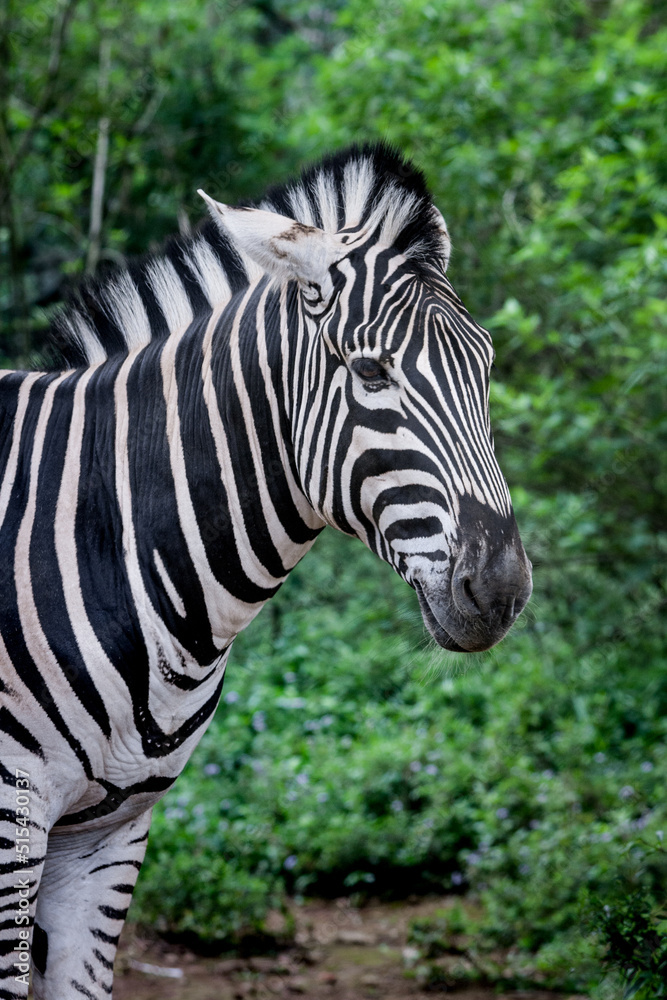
x=100, y=168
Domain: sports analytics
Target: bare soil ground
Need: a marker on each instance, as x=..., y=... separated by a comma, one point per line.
x=341, y=953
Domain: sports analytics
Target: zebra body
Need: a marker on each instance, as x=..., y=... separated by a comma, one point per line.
x=300, y=364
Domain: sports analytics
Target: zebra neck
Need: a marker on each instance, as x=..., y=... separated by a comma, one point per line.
x=246, y=377
x=218, y=516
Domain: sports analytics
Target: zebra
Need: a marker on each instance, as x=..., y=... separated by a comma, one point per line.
x=298, y=362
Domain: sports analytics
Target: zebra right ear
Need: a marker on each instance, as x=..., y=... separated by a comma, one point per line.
x=280, y=245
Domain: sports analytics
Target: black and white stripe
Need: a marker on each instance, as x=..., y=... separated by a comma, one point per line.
x=299, y=363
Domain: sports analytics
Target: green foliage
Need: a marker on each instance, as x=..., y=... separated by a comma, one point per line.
x=174, y=102
x=208, y=892
x=634, y=930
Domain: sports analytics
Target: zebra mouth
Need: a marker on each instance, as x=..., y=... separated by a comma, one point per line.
x=441, y=635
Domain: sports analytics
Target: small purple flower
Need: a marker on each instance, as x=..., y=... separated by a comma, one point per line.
x=175, y=812
x=473, y=859
x=326, y=720
x=548, y=774
x=605, y=837
x=232, y=697
x=289, y=677
x=457, y=878
x=524, y=869
x=291, y=862
x=397, y=806
x=292, y=702
x=626, y=792
x=322, y=796
x=600, y=757
x=659, y=834
x=502, y=813
x=211, y=769
x=534, y=824
x=415, y=766
x=259, y=722
x=431, y=769
x=646, y=766
x=302, y=779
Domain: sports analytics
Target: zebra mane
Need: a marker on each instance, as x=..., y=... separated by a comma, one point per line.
x=365, y=187
x=370, y=187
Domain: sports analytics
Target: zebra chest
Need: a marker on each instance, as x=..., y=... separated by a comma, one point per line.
x=168, y=712
x=137, y=764
x=150, y=729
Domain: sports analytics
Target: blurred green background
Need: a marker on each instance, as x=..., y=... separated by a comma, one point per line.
x=348, y=756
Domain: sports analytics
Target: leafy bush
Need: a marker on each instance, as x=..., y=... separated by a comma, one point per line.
x=633, y=929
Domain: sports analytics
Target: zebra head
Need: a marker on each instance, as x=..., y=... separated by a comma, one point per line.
x=387, y=389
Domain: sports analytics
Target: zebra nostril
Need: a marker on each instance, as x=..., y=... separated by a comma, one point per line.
x=464, y=596
x=468, y=591
x=510, y=611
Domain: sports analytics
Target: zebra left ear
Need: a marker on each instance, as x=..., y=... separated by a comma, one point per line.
x=280, y=245
x=444, y=235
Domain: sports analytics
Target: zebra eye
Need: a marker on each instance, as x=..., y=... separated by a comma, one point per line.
x=369, y=370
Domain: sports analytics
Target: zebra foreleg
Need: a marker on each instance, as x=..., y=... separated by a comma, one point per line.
x=22, y=850
x=84, y=896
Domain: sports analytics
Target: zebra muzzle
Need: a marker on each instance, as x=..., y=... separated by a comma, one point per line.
x=483, y=600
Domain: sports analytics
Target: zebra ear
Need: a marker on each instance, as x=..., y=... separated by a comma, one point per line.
x=444, y=235
x=280, y=245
